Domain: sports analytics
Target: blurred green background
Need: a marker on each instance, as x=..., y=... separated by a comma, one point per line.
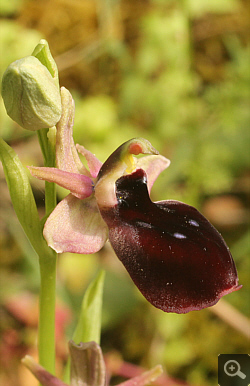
x=176, y=73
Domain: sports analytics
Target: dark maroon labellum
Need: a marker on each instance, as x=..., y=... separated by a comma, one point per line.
x=176, y=258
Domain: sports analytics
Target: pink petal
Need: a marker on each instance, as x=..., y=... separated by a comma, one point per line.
x=93, y=163
x=153, y=165
x=79, y=185
x=76, y=226
x=67, y=158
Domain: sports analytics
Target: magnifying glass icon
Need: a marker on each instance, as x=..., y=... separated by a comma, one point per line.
x=232, y=368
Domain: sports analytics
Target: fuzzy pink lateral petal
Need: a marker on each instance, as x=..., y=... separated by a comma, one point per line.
x=76, y=226
x=93, y=163
x=67, y=158
x=79, y=185
x=153, y=165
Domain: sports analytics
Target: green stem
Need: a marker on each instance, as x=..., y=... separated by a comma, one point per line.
x=48, y=149
x=50, y=197
x=46, y=333
x=47, y=299
x=43, y=141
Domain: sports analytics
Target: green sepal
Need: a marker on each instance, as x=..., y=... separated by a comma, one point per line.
x=43, y=54
x=23, y=199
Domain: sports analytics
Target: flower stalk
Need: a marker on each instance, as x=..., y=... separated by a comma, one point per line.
x=47, y=143
x=47, y=303
x=47, y=296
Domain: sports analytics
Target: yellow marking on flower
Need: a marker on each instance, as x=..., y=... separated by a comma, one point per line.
x=130, y=162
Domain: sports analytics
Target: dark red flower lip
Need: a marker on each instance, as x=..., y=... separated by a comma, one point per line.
x=200, y=306
x=176, y=258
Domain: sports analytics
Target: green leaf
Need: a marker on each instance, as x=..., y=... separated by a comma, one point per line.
x=89, y=324
x=22, y=198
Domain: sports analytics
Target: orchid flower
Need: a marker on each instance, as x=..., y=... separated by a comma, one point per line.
x=76, y=224
x=176, y=258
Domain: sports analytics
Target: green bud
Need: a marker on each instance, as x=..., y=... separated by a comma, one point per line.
x=30, y=94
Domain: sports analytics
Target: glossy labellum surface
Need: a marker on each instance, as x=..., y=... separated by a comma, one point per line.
x=176, y=258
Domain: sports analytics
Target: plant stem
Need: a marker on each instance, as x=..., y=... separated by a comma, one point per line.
x=47, y=299
x=46, y=333
x=48, y=149
x=50, y=197
x=50, y=160
x=43, y=141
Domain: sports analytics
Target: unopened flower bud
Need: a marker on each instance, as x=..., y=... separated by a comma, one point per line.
x=31, y=97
